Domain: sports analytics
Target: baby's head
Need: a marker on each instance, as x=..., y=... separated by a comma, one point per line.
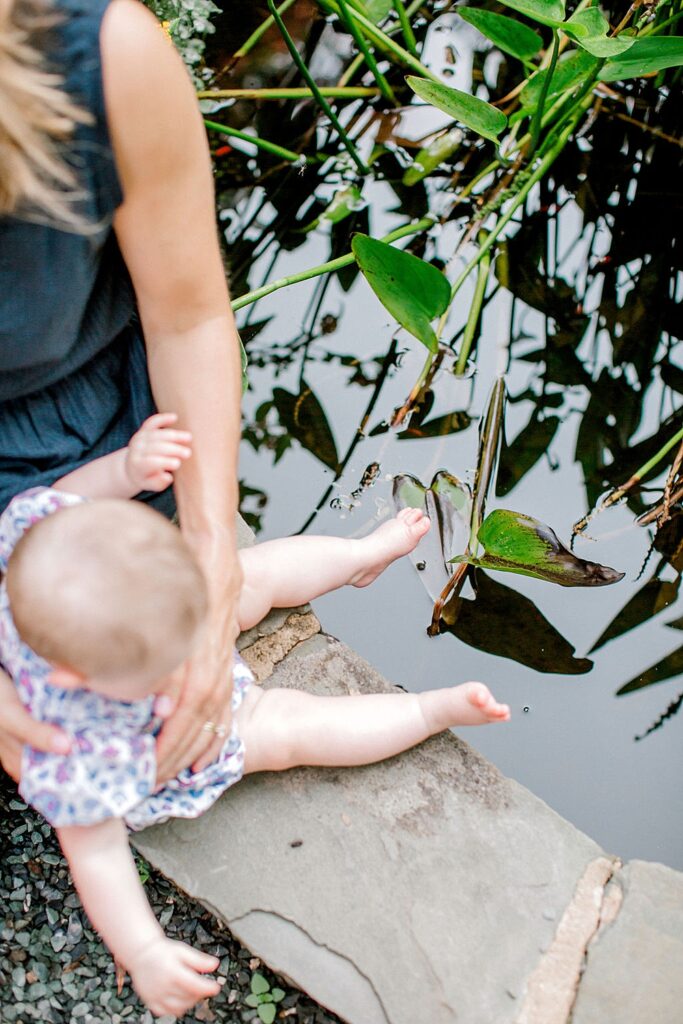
x=109, y=592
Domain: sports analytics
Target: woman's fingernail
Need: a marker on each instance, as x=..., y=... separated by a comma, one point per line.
x=61, y=744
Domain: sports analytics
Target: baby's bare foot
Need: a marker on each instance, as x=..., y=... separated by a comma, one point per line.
x=467, y=704
x=390, y=541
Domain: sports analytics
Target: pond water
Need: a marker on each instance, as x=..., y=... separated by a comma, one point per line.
x=327, y=370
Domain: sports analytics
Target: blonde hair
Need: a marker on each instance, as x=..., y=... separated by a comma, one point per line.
x=36, y=118
x=107, y=588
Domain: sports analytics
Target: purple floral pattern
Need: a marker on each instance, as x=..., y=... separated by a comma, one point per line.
x=111, y=769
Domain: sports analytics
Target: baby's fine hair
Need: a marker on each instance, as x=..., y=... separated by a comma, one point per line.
x=107, y=588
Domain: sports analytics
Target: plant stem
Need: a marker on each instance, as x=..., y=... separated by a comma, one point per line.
x=296, y=93
x=538, y=116
x=368, y=55
x=474, y=313
x=322, y=102
x=414, y=228
x=268, y=147
x=406, y=27
x=260, y=31
x=385, y=42
x=356, y=63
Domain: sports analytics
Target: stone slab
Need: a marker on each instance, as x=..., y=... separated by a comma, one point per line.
x=423, y=889
x=634, y=968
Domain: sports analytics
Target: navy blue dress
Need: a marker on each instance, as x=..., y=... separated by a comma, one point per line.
x=73, y=373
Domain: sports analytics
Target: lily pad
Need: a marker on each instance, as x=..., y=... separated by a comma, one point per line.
x=413, y=291
x=515, y=542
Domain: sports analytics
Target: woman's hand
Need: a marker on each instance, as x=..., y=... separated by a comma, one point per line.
x=197, y=728
x=17, y=728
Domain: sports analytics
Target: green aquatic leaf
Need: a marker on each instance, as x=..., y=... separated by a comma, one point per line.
x=508, y=35
x=483, y=118
x=547, y=12
x=514, y=542
x=645, y=57
x=490, y=440
x=412, y=290
x=571, y=71
x=429, y=158
x=589, y=28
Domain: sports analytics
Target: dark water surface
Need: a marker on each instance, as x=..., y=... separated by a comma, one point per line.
x=589, y=316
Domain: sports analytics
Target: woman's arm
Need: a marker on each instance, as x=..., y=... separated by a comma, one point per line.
x=167, y=975
x=18, y=727
x=167, y=233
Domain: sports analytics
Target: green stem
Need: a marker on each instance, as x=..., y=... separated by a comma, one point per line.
x=322, y=102
x=248, y=298
x=538, y=116
x=651, y=463
x=406, y=27
x=347, y=16
x=384, y=42
x=260, y=31
x=268, y=147
x=474, y=314
x=542, y=168
x=296, y=93
x=355, y=64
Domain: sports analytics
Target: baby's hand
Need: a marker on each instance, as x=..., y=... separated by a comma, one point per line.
x=155, y=451
x=168, y=976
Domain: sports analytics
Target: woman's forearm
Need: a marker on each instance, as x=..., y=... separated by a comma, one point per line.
x=196, y=372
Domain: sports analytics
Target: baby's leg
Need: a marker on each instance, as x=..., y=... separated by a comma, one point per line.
x=288, y=572
x=285, y=728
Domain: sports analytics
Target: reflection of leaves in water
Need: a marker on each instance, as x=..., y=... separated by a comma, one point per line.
x=304, y=418
x=517, y=458
x=668, y=667
x=673, y=708
x=503, y=622
x=647, y=602
x=669, y=541
x=440, y=426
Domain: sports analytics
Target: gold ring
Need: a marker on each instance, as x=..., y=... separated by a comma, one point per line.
x=219, y=730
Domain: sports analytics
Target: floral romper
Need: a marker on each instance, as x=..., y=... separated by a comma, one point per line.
x=111, y=769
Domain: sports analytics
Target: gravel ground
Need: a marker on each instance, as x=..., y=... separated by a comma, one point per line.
x=55, y=970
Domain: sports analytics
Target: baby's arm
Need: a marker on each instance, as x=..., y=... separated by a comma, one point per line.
x=147, y=463
x=167, y=975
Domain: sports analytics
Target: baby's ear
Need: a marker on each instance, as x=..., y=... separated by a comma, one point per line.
x=67, y=678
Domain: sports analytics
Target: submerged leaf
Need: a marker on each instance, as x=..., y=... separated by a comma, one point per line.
x=412, y=290
x=429, y=157
x=508, y=35
x=547, y=12
x=503, y=622
x=514, y=542
x=345, y=202
x=645, y=57
x=589, y=28
x=517, y=458
x=483, y=118
x=490, y=439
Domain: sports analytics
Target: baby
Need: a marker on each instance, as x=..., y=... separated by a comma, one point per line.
x=101, y=603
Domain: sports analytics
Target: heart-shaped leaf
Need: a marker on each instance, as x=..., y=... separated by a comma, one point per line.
x=259, y=984
x=589, y=28
x=412, y=290
x=483, y=118
x=645, y=57
x=547, y=12
x=508, y=35
x=514, y=542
